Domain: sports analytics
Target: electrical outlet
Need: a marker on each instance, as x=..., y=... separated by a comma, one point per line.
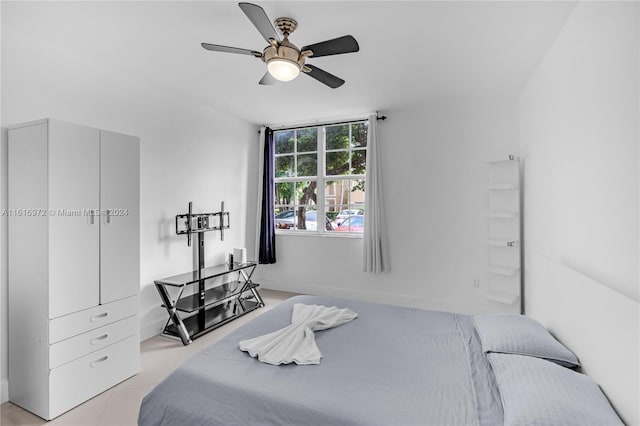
x=476, y=283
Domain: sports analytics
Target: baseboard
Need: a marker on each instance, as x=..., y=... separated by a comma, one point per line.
x=4, y=391
x=469, y=307
x=150, y=330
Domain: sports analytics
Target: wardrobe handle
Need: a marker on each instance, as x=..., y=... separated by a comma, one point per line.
x=107, y=217
x=91, y=216
x=99, y=316
x=99, y=360
x=99, y=338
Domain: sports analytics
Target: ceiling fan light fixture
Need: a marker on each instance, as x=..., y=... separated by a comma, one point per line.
x=283, y=69
x=284, y=60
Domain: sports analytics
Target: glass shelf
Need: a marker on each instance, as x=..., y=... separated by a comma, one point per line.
x=221, y=301
x=214, y=317
x=207, y=273
x=212, y=297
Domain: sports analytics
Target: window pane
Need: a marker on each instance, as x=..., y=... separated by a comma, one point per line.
x=333, y=211
x=284, y=141
x=284, y=195
x=356, y=198
x=358, y=161
x=337, y=163
x=306, y=217
x=308, y=165
x=284, y=217
x=350, y=210
x=308, y=140
x=336, y=192
x=284, y=166
x=338, y=137
x=306, y=193
x=350, y=220
x=359, y=134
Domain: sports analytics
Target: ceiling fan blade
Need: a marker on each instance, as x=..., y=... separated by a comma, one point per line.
x=227, y=49
x=260, y=20
x=268, y=80
x=336, y=46
x=324, y=77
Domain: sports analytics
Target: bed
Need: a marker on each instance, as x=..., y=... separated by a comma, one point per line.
x=390, y=366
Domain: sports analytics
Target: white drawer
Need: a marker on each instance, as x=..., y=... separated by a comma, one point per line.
x=89, y=319
x=85, y=343
x=84, y=378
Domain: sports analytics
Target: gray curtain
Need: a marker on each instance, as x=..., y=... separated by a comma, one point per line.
x=376, y=251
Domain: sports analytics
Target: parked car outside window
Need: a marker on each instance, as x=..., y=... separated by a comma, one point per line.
x=346, y=213
x=284, y=220
x=289, y=220
x=351, y=224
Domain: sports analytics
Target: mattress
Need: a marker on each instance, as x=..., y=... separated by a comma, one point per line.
x=390, y=366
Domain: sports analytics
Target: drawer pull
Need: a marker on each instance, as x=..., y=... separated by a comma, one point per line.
x=99, y=360
x=99, y=338
x=99, y=316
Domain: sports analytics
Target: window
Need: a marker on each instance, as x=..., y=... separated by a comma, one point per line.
x=320, y=172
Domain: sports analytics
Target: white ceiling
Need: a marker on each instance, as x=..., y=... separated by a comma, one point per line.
x=410, y=52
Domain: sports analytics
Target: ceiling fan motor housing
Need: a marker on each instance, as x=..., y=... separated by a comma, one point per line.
x=285, y=50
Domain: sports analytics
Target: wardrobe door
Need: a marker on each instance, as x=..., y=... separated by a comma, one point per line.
x=120, y=216
x=74, y=231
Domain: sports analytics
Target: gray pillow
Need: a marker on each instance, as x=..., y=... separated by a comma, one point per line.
x=538, y=392
x=521, y=335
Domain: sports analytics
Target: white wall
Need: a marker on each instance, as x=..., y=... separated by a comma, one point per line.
x=436, y=201
x=580, y=137
x=188, y=153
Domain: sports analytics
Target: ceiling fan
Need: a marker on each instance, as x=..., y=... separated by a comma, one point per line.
x=285, y=60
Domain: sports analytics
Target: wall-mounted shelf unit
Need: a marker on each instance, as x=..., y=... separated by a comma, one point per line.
x=504, y=273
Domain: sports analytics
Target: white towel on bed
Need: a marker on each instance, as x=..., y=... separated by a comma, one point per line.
x=296, y=342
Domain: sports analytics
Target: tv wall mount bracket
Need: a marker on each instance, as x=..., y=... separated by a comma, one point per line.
x=197, y=223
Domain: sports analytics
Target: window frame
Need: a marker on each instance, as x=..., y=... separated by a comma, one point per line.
x=321, y=177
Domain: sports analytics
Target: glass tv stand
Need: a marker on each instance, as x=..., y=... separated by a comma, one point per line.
x=213, y=302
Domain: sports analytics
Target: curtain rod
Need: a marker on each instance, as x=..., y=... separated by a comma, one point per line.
x=333, y=123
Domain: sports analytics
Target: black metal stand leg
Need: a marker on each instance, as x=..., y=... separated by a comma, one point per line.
x=248, y=282
x=173, y=315
x=201, y=287
x=257, y=296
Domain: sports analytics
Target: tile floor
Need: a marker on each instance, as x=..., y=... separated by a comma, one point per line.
x=120, y=404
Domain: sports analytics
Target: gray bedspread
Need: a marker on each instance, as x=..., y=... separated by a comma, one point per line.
x=390, y=366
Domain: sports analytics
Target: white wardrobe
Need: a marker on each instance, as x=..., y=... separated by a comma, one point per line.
x=74, y=263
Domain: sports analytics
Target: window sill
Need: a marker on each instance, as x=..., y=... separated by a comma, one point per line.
x=318, y=234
